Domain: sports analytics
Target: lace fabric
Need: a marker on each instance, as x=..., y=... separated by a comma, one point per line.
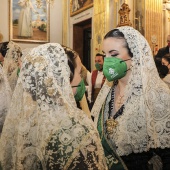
x=145, y=122
x=5, y=93
x=10, y=65
x=44, y=129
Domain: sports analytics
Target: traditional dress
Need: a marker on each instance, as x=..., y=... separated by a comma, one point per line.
x=44, y=129
x=143, y=121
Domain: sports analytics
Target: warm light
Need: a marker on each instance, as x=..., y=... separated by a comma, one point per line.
x=39, y=3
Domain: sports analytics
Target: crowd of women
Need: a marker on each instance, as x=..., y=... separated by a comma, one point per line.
x=41, y=127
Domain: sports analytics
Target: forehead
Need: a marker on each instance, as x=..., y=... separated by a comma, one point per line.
x=98, y=58
x=113, y=43
x=164, y=60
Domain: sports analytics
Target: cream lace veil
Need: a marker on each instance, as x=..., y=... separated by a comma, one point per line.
x=43, y=106
x=145, y=122
x=5, y=97
x=10, y=65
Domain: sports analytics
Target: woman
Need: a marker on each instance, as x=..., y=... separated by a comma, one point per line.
x=11, y=53
x=44, y=129
x=166, y=62
x=25, y=18
x=80, y=70
x=132, y=111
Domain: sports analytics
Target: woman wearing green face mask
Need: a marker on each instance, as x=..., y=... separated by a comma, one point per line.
x=132, y=111
x=77, y=80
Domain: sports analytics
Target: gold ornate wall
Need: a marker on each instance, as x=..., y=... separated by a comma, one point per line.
x=154, y=22
x=100, y=25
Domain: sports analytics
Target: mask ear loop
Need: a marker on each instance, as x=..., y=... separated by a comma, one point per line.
x=76, y=86
x=124, y=61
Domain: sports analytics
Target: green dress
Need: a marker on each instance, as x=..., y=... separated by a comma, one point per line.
x=114, y=162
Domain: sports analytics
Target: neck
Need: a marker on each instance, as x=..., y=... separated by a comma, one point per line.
x=123, y=81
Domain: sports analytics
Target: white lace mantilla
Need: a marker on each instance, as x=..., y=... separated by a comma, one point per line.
x=145, y=122
x=5, y=97
x=43, y=117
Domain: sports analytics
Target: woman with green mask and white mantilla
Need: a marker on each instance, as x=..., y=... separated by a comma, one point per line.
x=132, y=111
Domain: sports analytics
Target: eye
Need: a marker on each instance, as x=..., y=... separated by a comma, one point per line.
x=114, y=55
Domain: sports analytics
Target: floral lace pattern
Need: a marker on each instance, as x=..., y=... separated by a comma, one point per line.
x=10, y=65
x=44, y=129
x=145, y=122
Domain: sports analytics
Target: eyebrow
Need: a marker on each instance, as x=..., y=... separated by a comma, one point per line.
x=112, y=51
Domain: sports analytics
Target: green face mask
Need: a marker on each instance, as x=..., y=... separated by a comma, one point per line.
x=114, y=68
x=80, y=91
x=98, y=66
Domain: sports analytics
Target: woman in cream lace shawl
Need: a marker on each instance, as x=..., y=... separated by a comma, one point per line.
x=44, y=129
x=143, y=119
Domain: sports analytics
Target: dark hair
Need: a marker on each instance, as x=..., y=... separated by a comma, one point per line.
x=4, y=48
x=115, y=33
x=167, y=57
x=162, y=69
x=71, y=55
x=98, y=54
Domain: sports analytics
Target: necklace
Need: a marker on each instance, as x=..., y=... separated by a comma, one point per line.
x=111, y=123
x=120, y=100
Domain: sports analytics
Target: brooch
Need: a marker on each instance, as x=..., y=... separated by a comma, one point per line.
x=110, y=125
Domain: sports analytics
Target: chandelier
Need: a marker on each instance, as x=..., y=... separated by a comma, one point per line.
x=39, y=2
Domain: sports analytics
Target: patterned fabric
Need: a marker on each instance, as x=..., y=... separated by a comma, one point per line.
x=44, y=129
x=5, y=97
x=10, y=65
x=145, y=122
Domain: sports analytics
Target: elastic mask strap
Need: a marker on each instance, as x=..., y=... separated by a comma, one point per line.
x=76, y=86
x=128, y=69
x=124, y=60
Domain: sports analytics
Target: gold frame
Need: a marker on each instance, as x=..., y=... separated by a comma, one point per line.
x=80, y=9
x=38, y=36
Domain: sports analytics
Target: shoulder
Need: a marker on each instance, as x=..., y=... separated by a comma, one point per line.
x=164, y=48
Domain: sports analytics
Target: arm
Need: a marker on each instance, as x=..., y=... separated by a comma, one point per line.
x=89, y=88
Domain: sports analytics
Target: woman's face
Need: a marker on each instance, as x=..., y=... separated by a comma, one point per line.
x=116, y=48
x=77, y=76
x=166, y=63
